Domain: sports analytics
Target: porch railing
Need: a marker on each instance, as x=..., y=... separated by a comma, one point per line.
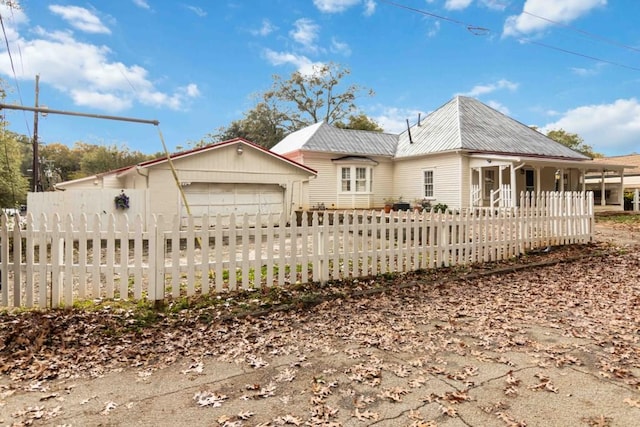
x=501, y=197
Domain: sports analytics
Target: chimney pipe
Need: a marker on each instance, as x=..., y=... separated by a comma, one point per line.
x=409, y=131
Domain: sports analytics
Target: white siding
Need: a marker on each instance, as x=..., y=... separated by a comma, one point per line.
x=447, y=173
x=325, y=188
x=223, y=165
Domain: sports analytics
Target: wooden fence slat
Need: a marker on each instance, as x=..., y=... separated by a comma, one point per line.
x=138, y=251
x=75, y=258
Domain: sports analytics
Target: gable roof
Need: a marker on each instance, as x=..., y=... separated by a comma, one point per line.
x=326, y=138
x=174, y=156
x=467, y=124
x=214, y=146
x=630, y=161
x=461, y=124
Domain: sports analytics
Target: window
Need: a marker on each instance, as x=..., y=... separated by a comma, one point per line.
x=428, y=184
x=361, y=180
x=356, y=179
x=346, y=179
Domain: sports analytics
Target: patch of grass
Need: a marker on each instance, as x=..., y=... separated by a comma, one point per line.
x=629, y=218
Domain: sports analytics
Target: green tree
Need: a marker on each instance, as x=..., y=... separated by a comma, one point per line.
x=315, y=97
x=13, y=184
x=264, y=124
x=102, y=158
x=292, y=104
x=360, y=122
x=62, y=159
x=573, y=141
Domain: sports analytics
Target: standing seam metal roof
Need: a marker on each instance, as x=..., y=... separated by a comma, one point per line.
x=461, y=124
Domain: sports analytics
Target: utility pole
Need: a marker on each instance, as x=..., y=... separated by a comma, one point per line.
x=36, y=160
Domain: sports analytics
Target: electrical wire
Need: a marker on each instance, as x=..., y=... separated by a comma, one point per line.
x=13, y=70
x=479, y=30
x=583, y=32
x=9, y=169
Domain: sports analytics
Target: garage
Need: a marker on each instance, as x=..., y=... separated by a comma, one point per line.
x=225, y=199
x=234, y=176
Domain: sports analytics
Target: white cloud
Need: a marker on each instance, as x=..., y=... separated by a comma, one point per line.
x=609, y=128
x=108, y=101
x=586, y=72
x=369, y=7
x=335, y=6
x=434, y=30
x=494, y=4
x=266, y=29
x=13, y=18
x=498, y=106
x=492, y=87
x=85, y=72
x=457, y=4
x=197, y=10
x=394, y=120
x=80, y=18
x=340, y=47
x=305, y=33
x=142, y=3
x=563, y=11
x=303, y=64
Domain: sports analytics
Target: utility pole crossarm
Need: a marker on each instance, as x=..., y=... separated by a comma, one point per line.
x=45, y=110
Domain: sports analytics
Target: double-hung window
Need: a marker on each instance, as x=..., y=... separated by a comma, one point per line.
x=428, y=184
x=346, y=179
x=356, y=179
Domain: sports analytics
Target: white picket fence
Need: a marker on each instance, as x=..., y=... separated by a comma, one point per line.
x=73, y=259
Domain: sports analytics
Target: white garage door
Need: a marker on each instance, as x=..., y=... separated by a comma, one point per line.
x=212, y=199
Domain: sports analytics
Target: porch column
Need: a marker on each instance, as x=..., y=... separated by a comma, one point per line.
x=561, y=180
x=471, y=172
x=481, y=183
x=583, y=177
x=603, y=201
x=621, y=193
x=500, y=170
x=538, y=172
x=514, y=193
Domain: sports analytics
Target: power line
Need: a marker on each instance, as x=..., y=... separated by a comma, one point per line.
x=570, y=52
x=13, y=69
x=479, y=30
x=583, y=32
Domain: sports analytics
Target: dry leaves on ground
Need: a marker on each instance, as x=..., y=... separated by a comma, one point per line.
x=455, y=312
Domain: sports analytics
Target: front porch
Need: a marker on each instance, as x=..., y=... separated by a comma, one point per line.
x=497, y=180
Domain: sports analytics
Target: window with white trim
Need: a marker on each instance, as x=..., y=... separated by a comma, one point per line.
x=428, y=183
x=356, y=179
x=346, y=179
x=361, y=180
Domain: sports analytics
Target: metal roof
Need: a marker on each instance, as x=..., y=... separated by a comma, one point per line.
x=461, y=124
x=467, y=124
x=329, y=139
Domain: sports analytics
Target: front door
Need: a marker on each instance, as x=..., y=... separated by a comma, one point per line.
x=529, y=180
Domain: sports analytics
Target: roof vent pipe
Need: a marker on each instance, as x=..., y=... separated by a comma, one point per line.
x=419, y=114
x=409, y=131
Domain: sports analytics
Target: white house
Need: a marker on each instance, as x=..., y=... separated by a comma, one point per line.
x=463, y=154
x=607, y=181
x=234, y=176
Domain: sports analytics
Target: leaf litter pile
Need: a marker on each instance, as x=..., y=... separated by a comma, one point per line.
x=476, y=344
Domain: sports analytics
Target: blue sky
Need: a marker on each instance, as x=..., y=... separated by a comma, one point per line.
x=194, y=65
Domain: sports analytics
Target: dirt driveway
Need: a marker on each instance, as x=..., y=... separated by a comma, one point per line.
x=554, y=344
